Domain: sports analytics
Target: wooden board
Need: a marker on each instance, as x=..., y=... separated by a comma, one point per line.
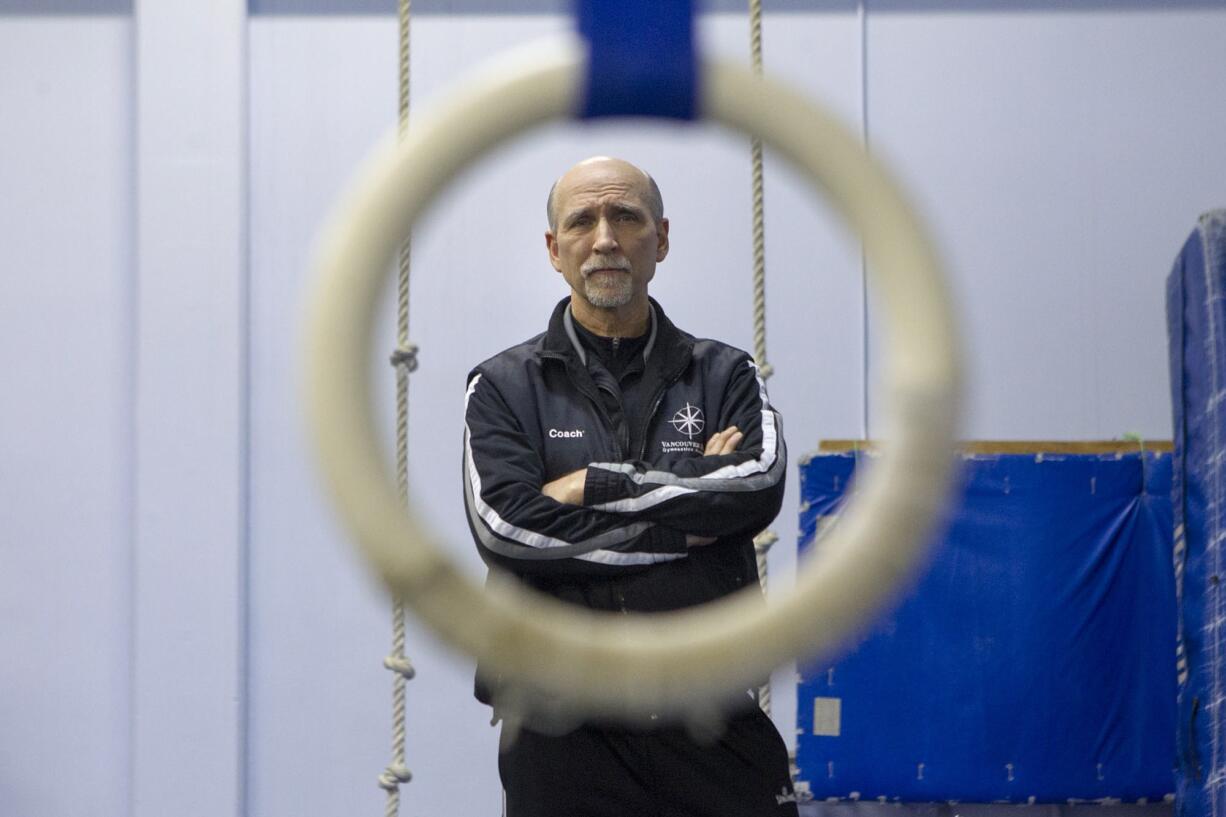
x=1021, y=446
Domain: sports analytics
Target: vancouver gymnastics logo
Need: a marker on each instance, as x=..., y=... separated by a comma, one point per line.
x=688, y=421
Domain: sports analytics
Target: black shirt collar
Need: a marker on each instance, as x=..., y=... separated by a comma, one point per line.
x=668, y=352
x=583, y=340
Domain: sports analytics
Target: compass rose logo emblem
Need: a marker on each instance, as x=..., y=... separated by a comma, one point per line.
x=688, y=421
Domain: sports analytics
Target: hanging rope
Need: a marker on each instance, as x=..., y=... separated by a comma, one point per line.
x=763, y=541
x=404, y=359
x=762, y=545
x=759, y=220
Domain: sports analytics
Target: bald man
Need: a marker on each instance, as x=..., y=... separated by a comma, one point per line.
x=618, y=463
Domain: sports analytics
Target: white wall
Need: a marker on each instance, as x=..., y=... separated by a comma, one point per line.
x=207, y=629
x=1061, y=158
x=191, y=443
x=66, y=351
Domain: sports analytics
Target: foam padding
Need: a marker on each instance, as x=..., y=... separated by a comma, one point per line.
x=1196, y=322
x=1033, y=661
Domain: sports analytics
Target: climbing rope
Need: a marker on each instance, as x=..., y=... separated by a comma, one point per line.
x=404, y=360
x=763, y=541
x=762, y=545
x=759, y=220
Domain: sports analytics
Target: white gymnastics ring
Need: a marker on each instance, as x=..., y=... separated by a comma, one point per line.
x=688, y=664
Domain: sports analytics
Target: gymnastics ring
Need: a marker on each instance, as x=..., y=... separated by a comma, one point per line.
x=559, y=658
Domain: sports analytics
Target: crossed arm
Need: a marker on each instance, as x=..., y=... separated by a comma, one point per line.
x=568, y=489
x=618, y=514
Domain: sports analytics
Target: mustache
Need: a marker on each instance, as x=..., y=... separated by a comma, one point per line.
x=597, y=264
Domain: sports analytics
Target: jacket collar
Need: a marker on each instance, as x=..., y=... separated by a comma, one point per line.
x=667, y=345
x=568, y=323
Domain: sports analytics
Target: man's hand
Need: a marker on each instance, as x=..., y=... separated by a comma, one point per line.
x=723, y=442
x=568, y=489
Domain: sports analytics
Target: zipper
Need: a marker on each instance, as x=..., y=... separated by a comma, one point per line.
x=650, y=416
x=623, y=436
x=599, y=405
x=612, y=435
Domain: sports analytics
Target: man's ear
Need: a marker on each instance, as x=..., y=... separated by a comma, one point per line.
x=661, y=240
x=551, y=246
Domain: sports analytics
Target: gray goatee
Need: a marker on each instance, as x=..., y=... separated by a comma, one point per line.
x=607, y=290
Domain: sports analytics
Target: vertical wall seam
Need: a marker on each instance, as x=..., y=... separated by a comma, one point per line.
x=862, y=13
x=132, y=350
x=244, y=432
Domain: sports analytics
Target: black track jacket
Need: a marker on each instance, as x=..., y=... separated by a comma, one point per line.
x=534, y=413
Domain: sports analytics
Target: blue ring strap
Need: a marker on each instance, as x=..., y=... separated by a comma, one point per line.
x=642, y=59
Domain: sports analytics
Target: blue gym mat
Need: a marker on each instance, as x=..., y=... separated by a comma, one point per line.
x=1196, y=323
x=1034, y=661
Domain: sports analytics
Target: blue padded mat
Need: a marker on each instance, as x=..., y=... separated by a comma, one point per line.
x=1035, y=659
x=1196, y=321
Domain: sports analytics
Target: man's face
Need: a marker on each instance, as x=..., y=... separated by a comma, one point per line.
x=606, y=243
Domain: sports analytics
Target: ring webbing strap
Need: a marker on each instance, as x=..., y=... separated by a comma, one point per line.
x=642, y=58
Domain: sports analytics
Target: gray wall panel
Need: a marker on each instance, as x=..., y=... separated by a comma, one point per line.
x=65, y=414
x=1061, y=159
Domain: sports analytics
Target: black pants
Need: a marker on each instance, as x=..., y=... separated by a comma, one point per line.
x=619, y=772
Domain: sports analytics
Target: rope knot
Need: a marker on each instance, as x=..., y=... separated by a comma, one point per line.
x=766, y=370
x=393, y=776
x=405, y=356
x=400, y=664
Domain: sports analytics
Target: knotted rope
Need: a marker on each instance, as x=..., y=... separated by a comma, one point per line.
x=763, y=541
x=404, y=360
